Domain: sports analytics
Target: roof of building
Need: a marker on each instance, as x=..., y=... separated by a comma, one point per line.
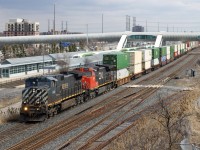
x=27, y=60
x=66, y=57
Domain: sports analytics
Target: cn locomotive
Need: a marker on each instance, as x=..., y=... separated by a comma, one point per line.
x=47, y=95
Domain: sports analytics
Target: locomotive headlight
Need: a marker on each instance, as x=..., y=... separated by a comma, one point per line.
x=25, y=108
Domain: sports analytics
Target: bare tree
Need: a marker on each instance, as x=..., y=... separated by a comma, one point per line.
x=63, y=62
x=171, y=118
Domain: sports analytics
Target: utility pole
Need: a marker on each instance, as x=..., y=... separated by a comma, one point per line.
x=158, y=27
x=102, y=23
x=54, y=20
x=146, y=26
x=48, y=25
x=66, y=27
x=43, y=58
x=167, y=28
x=87, y=33
x=62, y=28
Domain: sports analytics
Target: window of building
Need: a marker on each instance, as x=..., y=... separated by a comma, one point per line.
x=40, y=66
x=31, y=67
x=5, y=72
x=17, y=69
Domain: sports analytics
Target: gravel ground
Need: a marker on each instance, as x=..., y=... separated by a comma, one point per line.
x=9, y=93
x=70, y=113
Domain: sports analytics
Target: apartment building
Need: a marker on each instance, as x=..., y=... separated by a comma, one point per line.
x=21, y=27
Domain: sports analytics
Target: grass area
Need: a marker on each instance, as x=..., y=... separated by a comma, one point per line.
x=12, y=114
x=151, y=130
x=6, y=102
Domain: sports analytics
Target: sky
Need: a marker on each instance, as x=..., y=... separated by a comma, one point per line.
x=162, y=15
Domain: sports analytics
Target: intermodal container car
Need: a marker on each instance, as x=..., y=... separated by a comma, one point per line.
x=118, y=59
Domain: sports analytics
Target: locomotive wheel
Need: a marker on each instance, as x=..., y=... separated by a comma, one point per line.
x=55, y=112
x=51, y=114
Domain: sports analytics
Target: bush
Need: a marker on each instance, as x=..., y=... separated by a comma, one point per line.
x=11, y=115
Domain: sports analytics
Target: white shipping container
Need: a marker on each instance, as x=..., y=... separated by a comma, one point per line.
x=168, y=50
x=192, y=44
x=154, y=62
x=122, y=73
x=179, y=49
x=183, y=46
x=168, y=57
x=179, y=46
x=135, y=57
x=175, y=48
x=135, y=69
x=146, y=54
x=146, y=65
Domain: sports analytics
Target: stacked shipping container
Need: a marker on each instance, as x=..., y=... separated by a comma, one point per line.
x=163, y=56
x=155, y=57
x=168, y=54
x=135, y=61
x=179, y=49
x=171, y=53
x=146, y=59
x=175, y=51
x=120, y=61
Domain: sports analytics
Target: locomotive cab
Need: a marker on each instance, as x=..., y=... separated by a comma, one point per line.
x=34, y=99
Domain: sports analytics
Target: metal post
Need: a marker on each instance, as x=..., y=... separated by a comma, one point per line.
x=102, y=23
x=158, y=27
x=167, y=28
x=54, y=21
x=146, y=26
x=87, y=34
x=43, y=59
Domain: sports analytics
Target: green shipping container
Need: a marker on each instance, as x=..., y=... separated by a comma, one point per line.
x=163, y=51
x=172, y=51
x=155, y=53
x=118, y=59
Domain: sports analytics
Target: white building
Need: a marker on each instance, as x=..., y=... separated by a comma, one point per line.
x=21, y=27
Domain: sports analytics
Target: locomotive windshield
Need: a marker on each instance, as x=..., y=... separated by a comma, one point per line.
x=37, y=82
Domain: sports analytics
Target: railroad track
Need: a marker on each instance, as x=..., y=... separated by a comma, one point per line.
x=98, y=137
x=11, y=132
x=99, y=140
x=59, y=129
x=125, y=125
x=66, y=126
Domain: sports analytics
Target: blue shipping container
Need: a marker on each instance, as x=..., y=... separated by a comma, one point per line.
x=163, y=58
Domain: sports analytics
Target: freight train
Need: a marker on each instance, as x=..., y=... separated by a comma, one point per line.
x=47, y=95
